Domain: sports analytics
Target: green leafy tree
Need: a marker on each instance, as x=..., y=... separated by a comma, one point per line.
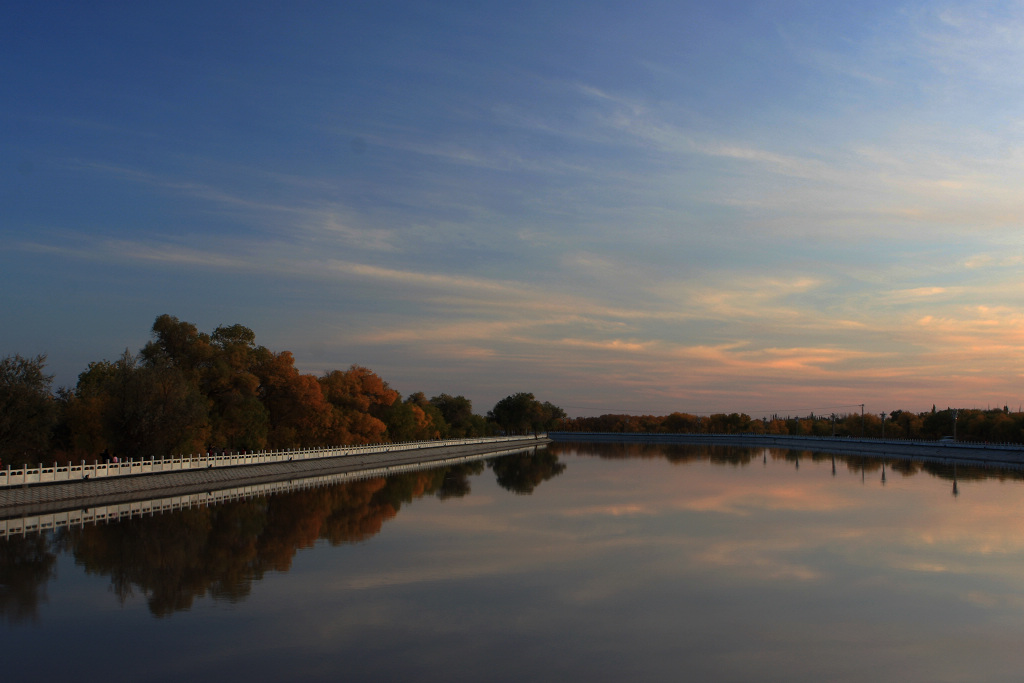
x=522, y=413
x=457, y=412
x=222, y=366
x=28, y=410
x=415, y=419
x=401, y=422
x=177, y=344
x=133, y=410
x=238, y=419
x=937, y=424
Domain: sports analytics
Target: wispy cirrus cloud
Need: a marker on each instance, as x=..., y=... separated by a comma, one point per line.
x=307, y=217
x=486, y=318
x=139, y=253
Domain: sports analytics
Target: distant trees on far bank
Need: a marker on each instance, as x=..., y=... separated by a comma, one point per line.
x=187, y=391
x=967, y=424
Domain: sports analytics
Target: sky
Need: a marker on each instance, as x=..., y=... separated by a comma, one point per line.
x=761, y=207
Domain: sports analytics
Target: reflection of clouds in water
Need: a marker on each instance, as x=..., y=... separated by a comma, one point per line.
x=757, y=561
x=748, y=499
x=622, y=510
x=913, y=527
x=441, y=570
x=501, y=555
x=1007, y=600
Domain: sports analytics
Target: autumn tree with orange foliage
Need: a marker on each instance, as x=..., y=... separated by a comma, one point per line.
x=222, y=391
x=361, y=401
x=416, y=419
x=299, y=415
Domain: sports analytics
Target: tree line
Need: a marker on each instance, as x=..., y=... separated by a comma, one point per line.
x=188, y=391
x=997, y=425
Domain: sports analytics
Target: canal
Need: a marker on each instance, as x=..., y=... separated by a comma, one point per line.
x=601, y=561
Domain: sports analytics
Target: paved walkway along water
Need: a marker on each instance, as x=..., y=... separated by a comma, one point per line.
x=29, y=499
x=983, y=454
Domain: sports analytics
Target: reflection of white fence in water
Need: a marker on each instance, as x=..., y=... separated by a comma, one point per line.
x=117, y=511
x=65, y=473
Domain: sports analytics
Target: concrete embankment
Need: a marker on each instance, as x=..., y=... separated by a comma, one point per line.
x=984, y=454
x=19, y=500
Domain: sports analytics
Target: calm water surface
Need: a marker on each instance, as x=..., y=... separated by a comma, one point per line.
x=596, y=561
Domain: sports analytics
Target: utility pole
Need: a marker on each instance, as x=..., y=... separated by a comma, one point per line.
x=862, y=428
x=883, y=429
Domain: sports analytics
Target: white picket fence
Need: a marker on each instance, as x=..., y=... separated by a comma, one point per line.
x=64, y=473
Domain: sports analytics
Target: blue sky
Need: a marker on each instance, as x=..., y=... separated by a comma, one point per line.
x=643, y=207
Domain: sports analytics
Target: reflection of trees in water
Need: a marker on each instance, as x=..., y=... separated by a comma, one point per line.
x=907, y=468
x=965, y=472
x=673, y=452
x=939, y=470
x=167, y=556
x=219, y=551
x=26, y=564
x=521, y=473
x=744, y=455
x=456, y=480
